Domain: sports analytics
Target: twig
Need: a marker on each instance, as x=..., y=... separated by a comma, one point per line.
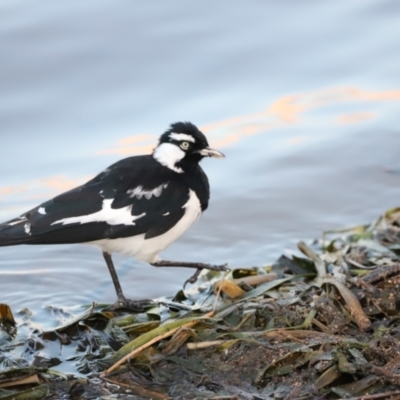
x=380, y=396
x=204, y=345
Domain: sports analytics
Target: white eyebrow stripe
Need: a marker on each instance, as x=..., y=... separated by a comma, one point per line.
x=181, y=136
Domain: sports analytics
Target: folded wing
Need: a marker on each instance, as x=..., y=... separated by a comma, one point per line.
x=112, y=205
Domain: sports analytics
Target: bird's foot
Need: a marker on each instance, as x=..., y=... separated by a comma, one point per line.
x=210, y=267
x=127, y=304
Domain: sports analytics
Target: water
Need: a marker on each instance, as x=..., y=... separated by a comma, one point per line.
x=303, y=98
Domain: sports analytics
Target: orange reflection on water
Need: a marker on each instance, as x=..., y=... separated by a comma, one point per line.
x=41, y=189
x=360, y=94
x=297, y=109
x=60, y=182
x=288, y=109
x=7, y=190
x=353, y=118
x=297, y=140
x=284, y=111
x=137, y=144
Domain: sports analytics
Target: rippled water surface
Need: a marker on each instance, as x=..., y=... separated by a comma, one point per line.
x=303, y=97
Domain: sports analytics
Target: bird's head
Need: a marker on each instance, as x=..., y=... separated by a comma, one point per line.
x=183, y=144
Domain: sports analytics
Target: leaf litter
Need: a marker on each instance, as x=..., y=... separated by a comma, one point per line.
x=321, y=325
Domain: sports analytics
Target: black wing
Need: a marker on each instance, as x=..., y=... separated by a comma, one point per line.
x=134, y=196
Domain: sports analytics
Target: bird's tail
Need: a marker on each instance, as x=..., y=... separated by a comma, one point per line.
x=15, y=231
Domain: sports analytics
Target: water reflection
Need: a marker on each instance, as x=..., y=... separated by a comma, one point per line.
x=137, y=144
x=39, y=189
x=353, y=118
x=291, y=110
x=24, y=272
x=294, y=109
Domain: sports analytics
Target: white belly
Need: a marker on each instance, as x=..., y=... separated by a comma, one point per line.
x=147, y=250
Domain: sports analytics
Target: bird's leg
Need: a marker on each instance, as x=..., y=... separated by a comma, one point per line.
x=114, y=276
x=122, y=301
x=199, y=267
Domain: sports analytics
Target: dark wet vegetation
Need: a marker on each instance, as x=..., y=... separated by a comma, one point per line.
x=321, y=325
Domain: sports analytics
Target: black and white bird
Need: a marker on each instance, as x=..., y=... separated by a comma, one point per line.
x=137, y=206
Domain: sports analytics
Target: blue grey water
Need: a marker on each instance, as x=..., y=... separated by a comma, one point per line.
x=302, y=96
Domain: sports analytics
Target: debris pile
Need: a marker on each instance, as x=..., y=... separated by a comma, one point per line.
x=324, y=325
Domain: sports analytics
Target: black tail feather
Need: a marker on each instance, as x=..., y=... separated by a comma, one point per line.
x=15, y=232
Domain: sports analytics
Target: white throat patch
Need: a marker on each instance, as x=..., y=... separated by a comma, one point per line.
x=169, y=154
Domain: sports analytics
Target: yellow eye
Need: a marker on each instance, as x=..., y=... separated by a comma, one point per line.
x=185, y=145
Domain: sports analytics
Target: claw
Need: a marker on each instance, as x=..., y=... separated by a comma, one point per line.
x=195, y=276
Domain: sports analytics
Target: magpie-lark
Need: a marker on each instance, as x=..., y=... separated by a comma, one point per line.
x=137, y=206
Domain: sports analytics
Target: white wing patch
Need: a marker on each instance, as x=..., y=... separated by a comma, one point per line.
x=42, y=211
x=27, y=228
x=17, y=221
x=181, y=137
x=113, y=216
x=168, y=154
x=138, y=192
